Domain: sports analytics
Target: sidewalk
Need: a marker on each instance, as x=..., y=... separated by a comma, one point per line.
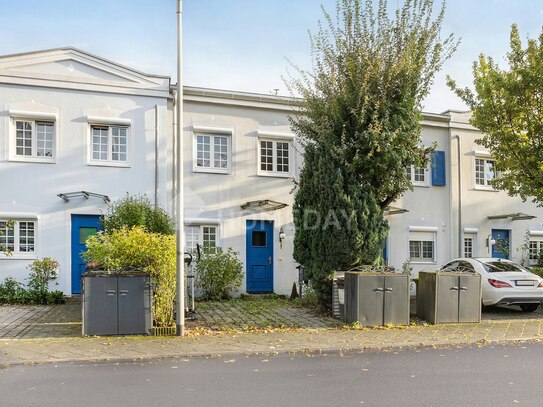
x=499, y=325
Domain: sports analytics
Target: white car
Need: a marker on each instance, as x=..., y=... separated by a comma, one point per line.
x=503, y=282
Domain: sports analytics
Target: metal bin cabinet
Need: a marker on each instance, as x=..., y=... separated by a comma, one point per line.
x=116, y=304
x=377, y=298
x=448, y=297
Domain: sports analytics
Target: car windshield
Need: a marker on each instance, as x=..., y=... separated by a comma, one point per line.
x=502, y=266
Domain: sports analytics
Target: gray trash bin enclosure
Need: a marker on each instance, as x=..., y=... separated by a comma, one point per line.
x=448, y=297
x=377, y=298
x=117, y=304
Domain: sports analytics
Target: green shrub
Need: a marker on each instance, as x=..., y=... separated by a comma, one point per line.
x=12, y=292
x=218, y=273
x=152, y=253
x=132, y=211
x=537, y=270
x=37, y=290
x=41, y=273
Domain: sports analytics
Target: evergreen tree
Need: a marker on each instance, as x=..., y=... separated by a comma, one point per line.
x=359, y=118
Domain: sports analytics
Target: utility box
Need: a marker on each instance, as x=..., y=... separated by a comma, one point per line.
x=449, y=297
x=376, y=298
x=117, y=304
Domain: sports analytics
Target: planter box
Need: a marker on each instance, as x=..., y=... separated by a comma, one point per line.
x=376, y=298
x=447, y=297
x=116, y=304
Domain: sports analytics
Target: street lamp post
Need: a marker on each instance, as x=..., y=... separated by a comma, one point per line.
x=180, y=270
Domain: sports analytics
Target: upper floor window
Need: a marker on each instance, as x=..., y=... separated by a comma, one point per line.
x=34, y=139
x=18, y=237
x=485, y=172
x=109, y=144
x=417, y=175
x=275, y=157
x=212, y=153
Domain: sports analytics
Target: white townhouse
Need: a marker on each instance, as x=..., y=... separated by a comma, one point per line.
x=78, y=131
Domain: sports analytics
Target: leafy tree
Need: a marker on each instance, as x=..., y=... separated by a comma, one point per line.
x=507, y=106
x=361, y=108
x=131, y=211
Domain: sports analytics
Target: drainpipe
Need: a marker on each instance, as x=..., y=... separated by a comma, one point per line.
x=459, y=198
x=157, y=149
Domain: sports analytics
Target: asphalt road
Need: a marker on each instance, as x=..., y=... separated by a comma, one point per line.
x=499, y=375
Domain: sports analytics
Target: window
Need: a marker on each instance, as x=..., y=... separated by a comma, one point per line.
x=34, y=139
x=422, y=244
x=19, y=237
x=417, y=175
x=485, y=172
x=535, y=251
x=212, y=153
x=275, y=157
x=109, y=144
x=468, y=247
x=421, y=250
x=204, y=235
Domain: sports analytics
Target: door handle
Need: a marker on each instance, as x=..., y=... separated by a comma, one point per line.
x=110, y=292
x=123, y=292
x=463, y=288
x=454, y=288
x=270, y=260
x=388, y=290
x=378, y=290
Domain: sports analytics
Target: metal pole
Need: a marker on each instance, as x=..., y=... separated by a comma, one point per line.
x=180, y=241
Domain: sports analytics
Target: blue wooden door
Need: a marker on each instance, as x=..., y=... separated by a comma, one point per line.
x=500, y=249
x=259, y=263
x=83, y=226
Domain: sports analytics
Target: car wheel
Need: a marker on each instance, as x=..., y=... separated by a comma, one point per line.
x=528, y=307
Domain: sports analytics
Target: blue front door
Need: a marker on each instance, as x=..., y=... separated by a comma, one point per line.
x=259, y=264
x=83, y=226
x=500, y=249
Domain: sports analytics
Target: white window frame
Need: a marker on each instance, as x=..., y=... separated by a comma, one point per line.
x=201, y=229
x=274, y=139
x=485, y=157
x=537, y=239
x=33, y=119
x=16, y=252
x=109, y=161
x=212, y=134
x=417, y=183
x=473, y=238
x=422, y=235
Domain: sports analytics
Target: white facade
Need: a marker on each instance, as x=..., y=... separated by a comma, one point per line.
x=50, y=102
x=71, y=121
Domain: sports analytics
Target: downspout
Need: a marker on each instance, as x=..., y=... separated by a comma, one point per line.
x=459, y=198
x=157, y=150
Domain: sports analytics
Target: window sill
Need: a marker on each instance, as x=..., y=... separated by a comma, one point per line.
x=483, y=188
x=32, y=256
x=36, y=160
x=422, y=262
x=108, y=164
x=227, y=171
x=274, y=174
x=421, y=185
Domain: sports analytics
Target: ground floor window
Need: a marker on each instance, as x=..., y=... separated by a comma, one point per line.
x=422, y=246
x=536, y=248
x=469, y=244
x=17, y=237
x=204, y=235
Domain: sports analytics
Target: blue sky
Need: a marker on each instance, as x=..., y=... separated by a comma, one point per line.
x=240, y=44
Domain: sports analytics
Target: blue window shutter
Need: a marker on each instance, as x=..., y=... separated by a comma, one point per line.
x=438, y=168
